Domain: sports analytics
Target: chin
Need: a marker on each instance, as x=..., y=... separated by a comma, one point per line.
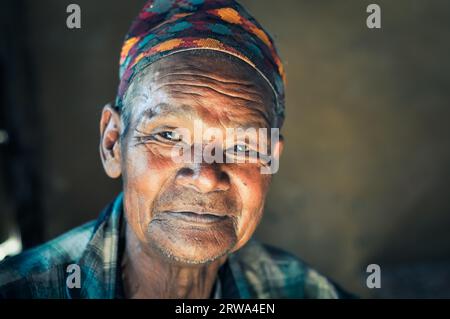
x=192, y=245
x=190, y=260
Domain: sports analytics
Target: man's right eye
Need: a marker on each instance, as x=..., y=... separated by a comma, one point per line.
x=171, y=136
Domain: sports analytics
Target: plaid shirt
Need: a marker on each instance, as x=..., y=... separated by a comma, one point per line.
x=254, y=271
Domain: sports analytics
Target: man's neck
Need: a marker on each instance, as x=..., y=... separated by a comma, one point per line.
x=146, y=273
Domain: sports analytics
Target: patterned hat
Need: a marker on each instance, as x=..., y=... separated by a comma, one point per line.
x=165, y=27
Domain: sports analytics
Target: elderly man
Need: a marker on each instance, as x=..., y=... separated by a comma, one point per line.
x=181, y=228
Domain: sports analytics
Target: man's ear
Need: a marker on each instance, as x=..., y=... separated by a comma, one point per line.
x=110, y=141
x=279, y=147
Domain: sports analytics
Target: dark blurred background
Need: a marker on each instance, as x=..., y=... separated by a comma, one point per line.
x=366, y=170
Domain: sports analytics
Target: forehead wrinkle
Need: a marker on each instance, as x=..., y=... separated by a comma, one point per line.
x=228, y=74
x=206, y=87
x=235, y=87
x=212, y=76
x=244, y=108
x=234, y=116
x=230, y=116
x=224, y=68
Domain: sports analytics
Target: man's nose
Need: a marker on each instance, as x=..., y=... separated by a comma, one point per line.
x=204, y=178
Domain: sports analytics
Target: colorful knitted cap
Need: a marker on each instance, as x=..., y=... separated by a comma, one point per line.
x=165, y=27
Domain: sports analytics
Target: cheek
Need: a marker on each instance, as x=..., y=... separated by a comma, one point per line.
x=252, y=187
x=145, y=172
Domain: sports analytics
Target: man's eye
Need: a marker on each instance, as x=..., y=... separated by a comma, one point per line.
x=240, y=148
x=169, y=136
x=245, y=152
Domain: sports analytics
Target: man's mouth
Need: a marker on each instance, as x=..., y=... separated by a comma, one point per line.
x=198, y=217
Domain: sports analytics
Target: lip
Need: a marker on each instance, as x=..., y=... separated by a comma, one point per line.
x=198, y=217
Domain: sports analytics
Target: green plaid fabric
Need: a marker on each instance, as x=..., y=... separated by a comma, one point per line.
x=255, y=271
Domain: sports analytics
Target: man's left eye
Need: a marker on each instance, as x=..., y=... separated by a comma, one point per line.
x=240, y=148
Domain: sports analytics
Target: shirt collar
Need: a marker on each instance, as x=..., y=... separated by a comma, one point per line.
x=99, y=261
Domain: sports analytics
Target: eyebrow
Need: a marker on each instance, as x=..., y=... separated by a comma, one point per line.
x=256, y=122
x=161, y=109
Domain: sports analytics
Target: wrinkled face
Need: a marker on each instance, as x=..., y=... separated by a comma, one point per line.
x=194, y=211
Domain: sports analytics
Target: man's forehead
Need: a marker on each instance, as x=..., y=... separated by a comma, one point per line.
x=177, y=89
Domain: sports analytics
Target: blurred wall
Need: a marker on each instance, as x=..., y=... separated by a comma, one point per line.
x=365, y=173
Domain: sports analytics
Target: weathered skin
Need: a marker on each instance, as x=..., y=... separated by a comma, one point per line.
x=170, y=255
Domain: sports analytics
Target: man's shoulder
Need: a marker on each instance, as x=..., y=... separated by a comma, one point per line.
x=39, y=272
x=275, y=273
